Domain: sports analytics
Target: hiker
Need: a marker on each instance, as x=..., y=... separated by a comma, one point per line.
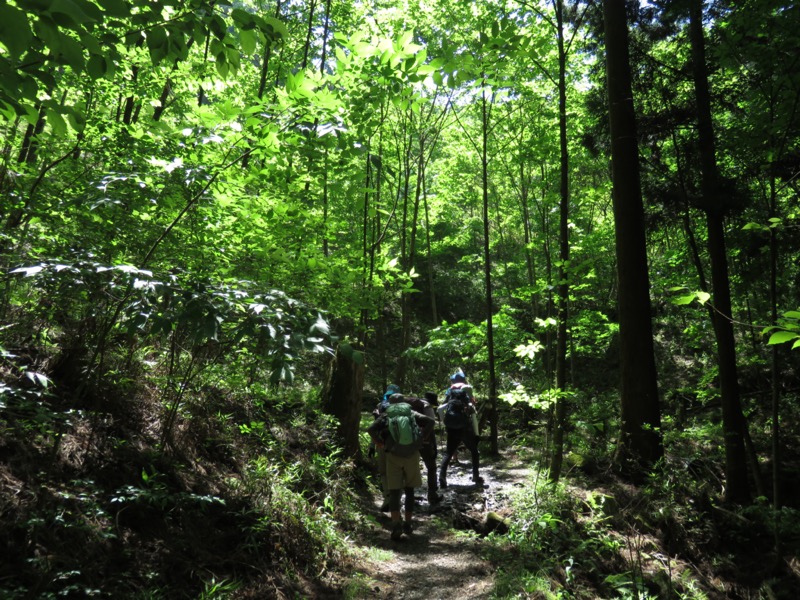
x=378, y=450
x=429, y=449
x=399, y=430
x=428, y=452
x=459, y=415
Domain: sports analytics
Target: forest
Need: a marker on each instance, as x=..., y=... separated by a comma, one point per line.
x=226, y=226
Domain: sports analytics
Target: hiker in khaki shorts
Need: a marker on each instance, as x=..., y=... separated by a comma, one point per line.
x=400, y=431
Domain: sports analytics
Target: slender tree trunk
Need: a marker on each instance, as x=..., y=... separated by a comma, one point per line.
x=405, y=316
x=431, y=282
x=487, y=268
x=563, y=269
x=640, y=440
x=262, y=81
x=325, y=183
x=738, y=488
x=30, y=143
x=162, y=100
x=311, y=7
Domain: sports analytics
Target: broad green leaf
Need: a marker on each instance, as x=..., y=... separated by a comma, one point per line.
x=116, y=8
x=248, y=39
x=703, y=297
x=90, y=43
x=754, y=226
x=405, y=40
x=158, y=44
x=792, y=314
x=682, y=300
x=243, y=17
x=57, y=122
x=222, y=66
x=15, y=31
x=96, y=66
x=278, y=28
x=72, y=52
x=780, y=337
x=47, y=30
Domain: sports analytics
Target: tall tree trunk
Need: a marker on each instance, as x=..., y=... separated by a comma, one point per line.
x=640, y=440
x=431, y=282
x=325, y=182
x=738, y=488
x=405, y=309
x=563, y=269
x=311, y=7
x=487, y=269
x=262, y=81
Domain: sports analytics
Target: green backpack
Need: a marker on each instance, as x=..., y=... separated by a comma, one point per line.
x=403, y=429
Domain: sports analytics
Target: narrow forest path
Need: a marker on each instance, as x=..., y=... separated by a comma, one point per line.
x=435, y=562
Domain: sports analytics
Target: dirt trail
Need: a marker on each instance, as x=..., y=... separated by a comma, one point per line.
x=435, y=563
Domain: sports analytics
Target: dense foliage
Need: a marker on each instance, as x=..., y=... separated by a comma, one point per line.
x=207, y=208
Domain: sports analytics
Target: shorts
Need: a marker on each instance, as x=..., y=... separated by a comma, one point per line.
x=403, y=472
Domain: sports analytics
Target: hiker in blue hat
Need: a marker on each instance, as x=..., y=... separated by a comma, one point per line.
x=459, y=414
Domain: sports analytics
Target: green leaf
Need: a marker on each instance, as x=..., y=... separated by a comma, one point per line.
x=758, y=226
x=780, y=337
x=277, y=30
x=96, y=66
x=158, y=44
x=243, y=17
x=57, y=122
x=15, y=31
x=73, y=13
x=222, y=66
x=48, y=31
x=792, y=314
x=405, y=40
x=116, y=8
x=248, y=39
x=683, y=300
x=72, y=52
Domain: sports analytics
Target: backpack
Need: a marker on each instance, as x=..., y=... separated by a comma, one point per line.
x=423, y=407
x=403, y=430
x=459, y=408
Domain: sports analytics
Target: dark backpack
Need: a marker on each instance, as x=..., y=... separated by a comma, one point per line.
x=459, y=409
x=403, y=430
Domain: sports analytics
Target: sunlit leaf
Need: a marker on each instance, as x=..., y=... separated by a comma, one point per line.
x=780, y=337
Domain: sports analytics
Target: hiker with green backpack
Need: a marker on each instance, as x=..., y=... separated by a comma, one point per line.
x=378, y=452
x=400, y=431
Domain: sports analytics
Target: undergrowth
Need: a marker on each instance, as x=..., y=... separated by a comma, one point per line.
x=250, y=500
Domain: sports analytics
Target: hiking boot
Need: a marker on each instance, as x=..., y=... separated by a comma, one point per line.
x=435, y=498
x=397, y=531
x=478, y=480
x=407, y=528
x=442, y=483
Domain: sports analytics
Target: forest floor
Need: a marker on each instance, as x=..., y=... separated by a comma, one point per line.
x=438, y=561
x=447, y=558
